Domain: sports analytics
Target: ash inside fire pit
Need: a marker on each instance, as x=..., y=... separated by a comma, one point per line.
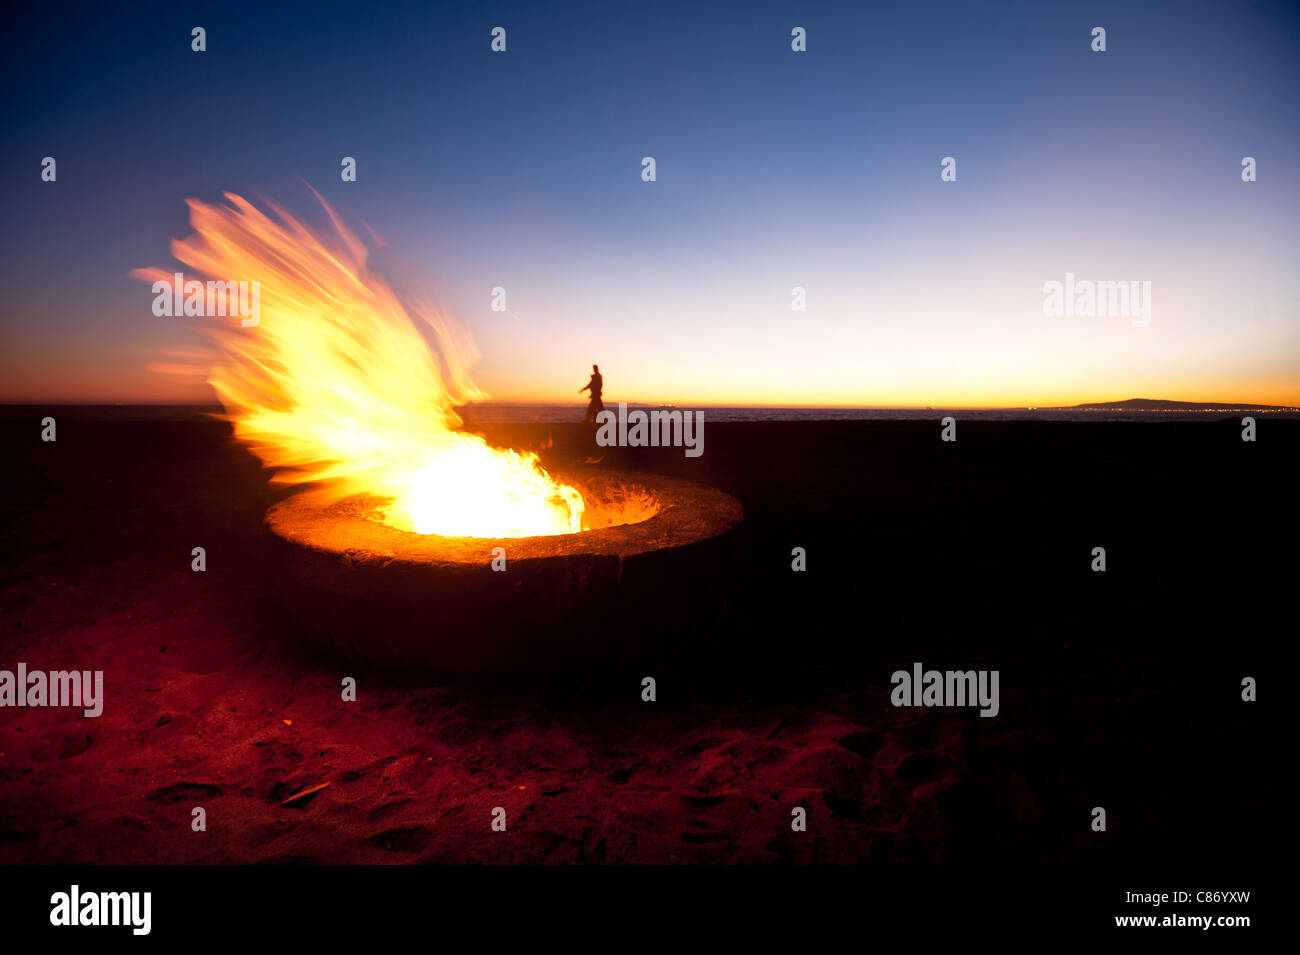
x=392, y=598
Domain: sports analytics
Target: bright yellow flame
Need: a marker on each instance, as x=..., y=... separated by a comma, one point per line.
x=335, y=384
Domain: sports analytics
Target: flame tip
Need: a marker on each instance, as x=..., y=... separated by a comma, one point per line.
x=336, y=387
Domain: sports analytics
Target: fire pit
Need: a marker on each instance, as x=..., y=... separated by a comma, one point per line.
x=419, y=544
x=391, y=598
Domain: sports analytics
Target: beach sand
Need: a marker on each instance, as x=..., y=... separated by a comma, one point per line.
x=1119, y=690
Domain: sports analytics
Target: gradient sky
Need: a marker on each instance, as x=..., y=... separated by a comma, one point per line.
x=775, y=169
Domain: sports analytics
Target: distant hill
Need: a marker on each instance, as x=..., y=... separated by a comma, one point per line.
x=1162, y=404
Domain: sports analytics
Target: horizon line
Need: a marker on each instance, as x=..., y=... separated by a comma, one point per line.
x=1225, y=405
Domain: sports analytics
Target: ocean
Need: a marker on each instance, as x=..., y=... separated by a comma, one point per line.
x=494, y=413
x=504, y=413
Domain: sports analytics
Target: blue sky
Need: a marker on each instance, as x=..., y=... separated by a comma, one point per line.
x=775, y=170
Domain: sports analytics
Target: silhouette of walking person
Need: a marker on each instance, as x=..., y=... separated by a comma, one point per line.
x=594, y=386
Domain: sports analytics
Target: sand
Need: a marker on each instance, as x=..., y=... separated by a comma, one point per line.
x=1119, y=690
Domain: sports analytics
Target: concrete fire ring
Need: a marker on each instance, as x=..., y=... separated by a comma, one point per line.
x=381, y=597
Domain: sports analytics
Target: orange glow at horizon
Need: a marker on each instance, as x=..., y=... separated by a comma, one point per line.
x=650, y=388
x=975, y=339
x=164, y=382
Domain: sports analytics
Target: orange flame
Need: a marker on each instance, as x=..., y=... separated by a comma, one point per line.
x=336, y=385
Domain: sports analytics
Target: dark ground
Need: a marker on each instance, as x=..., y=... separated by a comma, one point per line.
x=1119, y=690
